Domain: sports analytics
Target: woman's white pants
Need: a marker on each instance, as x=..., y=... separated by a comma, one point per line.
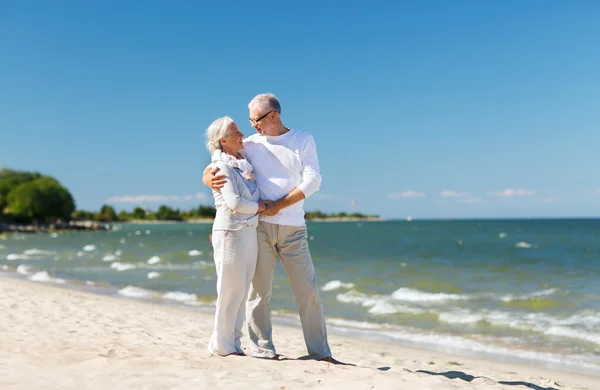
x=235, y=254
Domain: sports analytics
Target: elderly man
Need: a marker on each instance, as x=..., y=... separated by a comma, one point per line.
x=286, y=169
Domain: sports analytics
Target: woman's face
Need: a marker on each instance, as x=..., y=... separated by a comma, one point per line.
x=234, y=140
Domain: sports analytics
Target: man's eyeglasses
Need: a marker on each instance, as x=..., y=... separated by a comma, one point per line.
x=255, y=121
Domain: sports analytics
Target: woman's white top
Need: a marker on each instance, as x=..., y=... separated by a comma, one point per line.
x=237, y=204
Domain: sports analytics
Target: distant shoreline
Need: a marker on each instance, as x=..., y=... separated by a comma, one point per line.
x=6, y=227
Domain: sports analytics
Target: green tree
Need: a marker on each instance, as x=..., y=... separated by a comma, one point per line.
x=41, y=200
x=139, y=213
x=107, y=214
x=82, y=215
x=166, y=213
x=123, y=216
x=11, y=179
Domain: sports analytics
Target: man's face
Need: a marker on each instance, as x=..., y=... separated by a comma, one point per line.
x=262, y=121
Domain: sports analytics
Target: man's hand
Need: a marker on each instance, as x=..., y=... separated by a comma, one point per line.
x=212, y=180
x=271, y=208
x=262, y=205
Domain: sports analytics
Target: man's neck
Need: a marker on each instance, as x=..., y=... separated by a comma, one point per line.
x=281, y=129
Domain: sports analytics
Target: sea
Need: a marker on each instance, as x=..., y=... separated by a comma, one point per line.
x=508, y=290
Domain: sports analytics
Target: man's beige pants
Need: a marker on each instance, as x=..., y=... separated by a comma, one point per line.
x=291, y=245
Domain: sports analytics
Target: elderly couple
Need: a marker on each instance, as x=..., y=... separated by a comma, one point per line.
x=259, y=185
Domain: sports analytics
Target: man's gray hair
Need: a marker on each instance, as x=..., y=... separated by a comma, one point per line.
x=216, y=131
x=265, y=102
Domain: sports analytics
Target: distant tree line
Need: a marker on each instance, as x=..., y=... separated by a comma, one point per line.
x=164, y=213
x=30, y=197
x=341, y=215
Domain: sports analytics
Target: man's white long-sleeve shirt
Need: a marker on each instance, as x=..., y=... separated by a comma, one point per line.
x=282, y=163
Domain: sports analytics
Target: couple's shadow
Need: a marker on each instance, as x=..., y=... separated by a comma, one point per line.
x=281, y=358
x=469, y=378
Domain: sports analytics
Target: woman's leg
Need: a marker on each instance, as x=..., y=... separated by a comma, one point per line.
x=248, y=251
x=231, y=275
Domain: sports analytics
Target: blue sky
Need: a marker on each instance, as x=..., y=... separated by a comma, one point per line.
x=431, y=109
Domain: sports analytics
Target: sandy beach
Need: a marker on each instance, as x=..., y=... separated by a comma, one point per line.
x=55, y=338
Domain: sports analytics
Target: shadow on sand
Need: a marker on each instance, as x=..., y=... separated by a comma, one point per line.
x=468, y=378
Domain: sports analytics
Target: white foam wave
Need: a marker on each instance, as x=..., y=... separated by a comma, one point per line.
x=54, y=235
x=118, y=252
x=180, y=296
x=153, y=275
x=39, y=252
x=147, y=232
x=410, y=295
x=354, y=324
x=153, y=260
x=454, y=343
x=122, y=266
x=109, y=258
x=502, y=235
x=89, y=248
x=134, y=292
x=15, y=256
x=522, y=297
x=195, y=252
x=378, y=304
x=523, y=244
x=336, y=284
x=583, y=326
x=43, y=276
x=24, y=269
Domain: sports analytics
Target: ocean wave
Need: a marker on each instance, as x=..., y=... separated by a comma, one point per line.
x=454, y=343
x=135, y=292
x=24, y=269
x=153, y=260
x=377, y=304
x=523, y=244
x=43, y=276
x=180, y=296
x=195, y=252
x=109, y=257
x=153, y=275
x=336, y=284
x=38, y=252
x=583, y=326
x=15, y=257
x=523, y=297
x=89, y=248
x=122, y=266
x=411, y=295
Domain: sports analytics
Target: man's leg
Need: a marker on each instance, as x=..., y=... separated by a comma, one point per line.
x=295, y=257
x=258, y=309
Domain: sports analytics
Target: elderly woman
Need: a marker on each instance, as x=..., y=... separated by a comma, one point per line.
x=234, y=235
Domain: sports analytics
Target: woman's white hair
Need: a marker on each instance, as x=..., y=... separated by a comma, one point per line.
x=216, y=131
x=265, y=102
